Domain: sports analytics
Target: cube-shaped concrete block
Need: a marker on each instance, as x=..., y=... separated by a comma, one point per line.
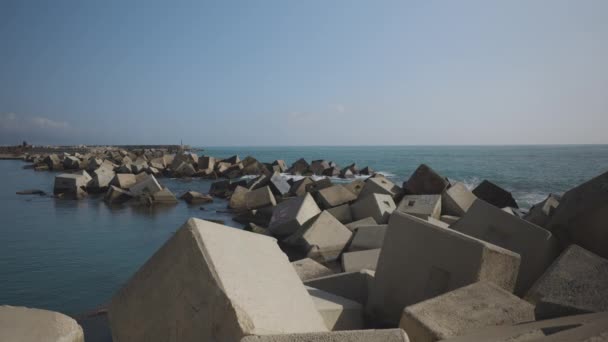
x=541, y=213
x=421, y=206
x=310, y=269
x=21, y=324
x=342, y=213
x=577, y=282
x=384, y=335
x=355, y=186
x=260, y=198
x=210, y=282
x=71, y=185
x=463, y=311
x=420, y=261
x=457, y=200
x=165, y=196
x=495, y=195
x=377, y=206
x=334, y=196
x=368, y=221
x=360, y=260
x=146, y=185
x=339, y=313
x=380, y=185
x=425, y=181
x=351, y=285
x=298, y=188
x=367, y=237
x=124, y=180
x=536, y=246
x=292, y=214
x=449, y=219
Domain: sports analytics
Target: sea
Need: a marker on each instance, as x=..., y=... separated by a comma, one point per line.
x=71, y=256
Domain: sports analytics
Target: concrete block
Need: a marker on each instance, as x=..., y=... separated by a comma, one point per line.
x=116, y=195
x=331, y=172
x=377, y=206
x=384, y=335
x=449, y=219
x=355, y=186
x=420, y=261
x=147, y=185
x=342, y=213
x=541, y=212
x=102, y=178
x=319, y=166
x=281, y=164
x=71, y=163
x=21, y=324
x=318, y=185
x=494, y=195
x=123, y=180
x=213, y=283
x=298, y=167
x=278, y=184
x=346, y=173
x=360, y=260
x=536, y=246
x=334, y=196
x=70, y=185
x=292, y=214
x=421, y=206
x=322, y=238
x=437, y=222
x=463, y=311
x=310, y=269
x=206, y=163
x=367, y=237
x=368, y=221
x=577, y=282
x=425, y=181
x=183, y=170
x=339, y=313
x=367, y=171
x=382, y=186
x=194, y=197
x=352, y=285
x=260, y=198
x=580, y=217
x=124, y=168
x=164, y=196
x=53, y=162
x=457, y=200
x=299, y=187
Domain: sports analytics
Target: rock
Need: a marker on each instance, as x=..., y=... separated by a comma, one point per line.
x=70, y=185
x=360, y=260
x=21, y=324
x=351, y=285
x=124, y=180
x=298, y=188
x=338, y=313
x=367, y=237
x=32, y=192
x=298, y=167
x=259, y=198
x=147, y=184
x=221, y=287
x=580, y=217
x=368, y=221
x=427, y=261
x=385, y=335
x=342, y=213
x=457, y=200
x=535, y=245
x=334, y=196
x=116, y=195
x=577, y=282
x=494, y=195
x=425, y=181
x=292, y=214
x=278, y=184
x=421, y=206
x=310, y=269
x=449, y=219
x=463, y=311
x=382, y=186
x=378, y=206
x=322, y=238
x=193, y=197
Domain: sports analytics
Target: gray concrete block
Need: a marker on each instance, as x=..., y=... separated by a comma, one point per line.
x=360, y=260
x=71, y=185
x=259, y=198
x=536, y=246
x=334, y=196
x=577, y=282
x=164, y=197
x=457, y=200
x=367, y=237
x=238, y=199
x=437, y=222
x=310, y=269
x=21, y=324
x=449, y=219
x=463, y=311
x=495, y=195
x=355, y=186
x=147, y=185
x=339, y=313
x=341, y=213
x=368, y=221
x=123, y=180
x=278, y=184
x=385, y=335
x=116, y=195
x=381, y=185
x=378, y=206
x=352, y=285
x=194, y=197
x=420, y=261
x=210, y=282
x=292, y=214
x=299, y=187
x=421, y=206
x=541, y=212
x=425, y=181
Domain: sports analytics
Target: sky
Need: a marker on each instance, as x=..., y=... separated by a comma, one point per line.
x=317, y=72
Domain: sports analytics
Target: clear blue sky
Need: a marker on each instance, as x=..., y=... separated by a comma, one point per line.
x=304, y=72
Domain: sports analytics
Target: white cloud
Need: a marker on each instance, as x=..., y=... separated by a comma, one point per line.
x=48, y=123
x=20, y=123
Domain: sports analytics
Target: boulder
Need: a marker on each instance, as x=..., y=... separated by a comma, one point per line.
x=377, y=206
x=368, y=237
x=425, y=181
x=322, y=238
x=342, y=213
x=260, y=198
x=334, y=196
x=292, y=214
x=577, y=282
x=71, y=185
x=536, y=246
x=580, y=217
x=494, y=195
x=382, y=186
x=464, y=311
x=339, y=313
x=420, y=261
x=457, y=200
x=116, y=195
x=21, y=324
x=215, y=285
x=360, y=260
x=193, y=197
x=124, y=180
x=310, y=269
x=351, y=285
x=368, y=221
x=421, y=206
x=298, y=188
x=384, y=335
x=147, y=184
x=541, y=212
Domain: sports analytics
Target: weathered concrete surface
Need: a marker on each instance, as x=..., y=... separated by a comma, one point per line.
x=342, y=213
x=194, y=197
x=310, y=269
x=260, y=198
x=437, y=222
x=368, y=221
x=334, y=196
x=457, y=200
x=367, y=237
x=352, y=285
x=580, y=217
x=377, y=206
x=463, y=311
x=339, y=313
x=577, y=282
x=536, y=246
x=420, y=261
x=164, y=196
x=425, y=181
x=291, y=215
x=449, y=219
x=421, y=206
x=148, y=184
x=322, y=238
x=360, y=260
x=380, y=185
x=124, y=180
x=541, y=212
x=299, y=187
x=596, y=331
x=21, y=324
x=385, y=335
x=70, y=185
x=213, y=283
x=355, y=186
x=494, y=195
x=278, y=184
x=533, y=331
x=116, y=195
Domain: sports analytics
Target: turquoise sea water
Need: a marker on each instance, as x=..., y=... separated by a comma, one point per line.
x=70, y=256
